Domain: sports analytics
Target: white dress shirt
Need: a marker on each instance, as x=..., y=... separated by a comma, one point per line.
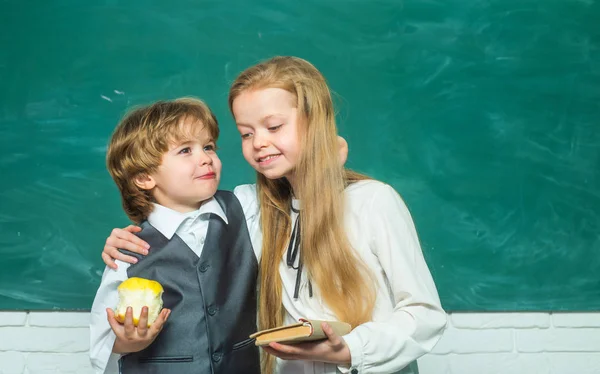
x=191, y=227
x=408, y=319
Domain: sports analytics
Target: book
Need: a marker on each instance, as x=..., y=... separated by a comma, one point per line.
x=303, y=331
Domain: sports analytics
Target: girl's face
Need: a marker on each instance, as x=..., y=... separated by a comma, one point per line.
x=268, y=122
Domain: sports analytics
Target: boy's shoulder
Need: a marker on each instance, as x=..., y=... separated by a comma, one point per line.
x=228, y=201
x=149, y=234
x=223, y=195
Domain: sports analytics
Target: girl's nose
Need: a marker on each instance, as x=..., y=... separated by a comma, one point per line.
x=259, y=141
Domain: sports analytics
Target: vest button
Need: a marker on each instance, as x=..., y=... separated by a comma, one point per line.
x=217, y=356
x=354, y=371
x=212, y=310
x=204, y=267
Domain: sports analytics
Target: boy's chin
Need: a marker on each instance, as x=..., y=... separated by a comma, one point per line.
x=208, y=193
x=206, y=197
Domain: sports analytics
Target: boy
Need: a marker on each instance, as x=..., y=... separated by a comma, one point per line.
x=163, y=159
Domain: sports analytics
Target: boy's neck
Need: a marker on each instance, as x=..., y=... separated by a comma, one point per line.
x=183, y=208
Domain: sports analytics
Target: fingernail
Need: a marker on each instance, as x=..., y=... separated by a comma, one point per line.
x=135, y=260
x=147, y=246
x=145, y=251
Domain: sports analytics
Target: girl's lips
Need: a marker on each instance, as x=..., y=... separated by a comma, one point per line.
x=263, y=161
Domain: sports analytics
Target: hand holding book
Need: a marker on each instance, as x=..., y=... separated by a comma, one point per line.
x=305, y=330
x=313, y=340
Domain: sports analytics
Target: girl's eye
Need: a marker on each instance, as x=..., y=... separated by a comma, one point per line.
x=275, y=128
x=185, y=150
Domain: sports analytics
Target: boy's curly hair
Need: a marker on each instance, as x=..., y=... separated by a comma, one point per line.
x=141, y=139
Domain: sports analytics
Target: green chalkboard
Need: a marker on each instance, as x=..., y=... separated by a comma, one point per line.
x=483, y=114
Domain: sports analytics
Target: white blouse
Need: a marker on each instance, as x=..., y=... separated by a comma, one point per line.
x=408, y=319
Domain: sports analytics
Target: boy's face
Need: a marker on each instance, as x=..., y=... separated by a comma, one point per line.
x=189, y=173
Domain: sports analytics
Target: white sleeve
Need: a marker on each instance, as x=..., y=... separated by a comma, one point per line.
x=102, y=338
x=247, y=194
x=418, y=320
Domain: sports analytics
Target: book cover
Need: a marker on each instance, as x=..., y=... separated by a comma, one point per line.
x=303, y=331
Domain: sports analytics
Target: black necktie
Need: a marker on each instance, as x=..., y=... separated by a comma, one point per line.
x=292, y=254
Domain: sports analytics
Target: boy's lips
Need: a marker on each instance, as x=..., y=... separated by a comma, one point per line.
x=210, y=175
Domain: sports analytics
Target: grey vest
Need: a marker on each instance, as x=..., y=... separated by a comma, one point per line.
x=212, y=299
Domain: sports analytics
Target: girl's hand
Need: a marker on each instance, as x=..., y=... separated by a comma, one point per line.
x=333, y=350
x=131, y=338
x=124, y=239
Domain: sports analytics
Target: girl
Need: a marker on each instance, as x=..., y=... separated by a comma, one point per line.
x=335, y=244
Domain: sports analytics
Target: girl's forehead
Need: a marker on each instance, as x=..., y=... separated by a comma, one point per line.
x=263, y=103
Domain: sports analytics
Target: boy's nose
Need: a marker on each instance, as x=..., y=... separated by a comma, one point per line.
x=204, y=159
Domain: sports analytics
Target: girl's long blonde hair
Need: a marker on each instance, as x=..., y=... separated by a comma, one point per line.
x=343, y=280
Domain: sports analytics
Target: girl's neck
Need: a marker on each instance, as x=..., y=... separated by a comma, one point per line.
x=291, y=180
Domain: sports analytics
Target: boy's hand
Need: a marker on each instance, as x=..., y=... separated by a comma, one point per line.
x=333, y=350
x=124, y=239
x=131, y=338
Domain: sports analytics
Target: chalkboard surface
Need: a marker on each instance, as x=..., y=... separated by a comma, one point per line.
x=484, y=115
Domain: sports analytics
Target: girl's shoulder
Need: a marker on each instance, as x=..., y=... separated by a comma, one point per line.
x=248, y=197
x=367, y=188
x=245, y=190
x=371, y=193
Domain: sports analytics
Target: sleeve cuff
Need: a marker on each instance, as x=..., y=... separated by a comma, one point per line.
x=356, y=354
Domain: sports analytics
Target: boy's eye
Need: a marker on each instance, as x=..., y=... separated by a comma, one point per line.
x=185, y=150
x=246, y=136
x=210, y=148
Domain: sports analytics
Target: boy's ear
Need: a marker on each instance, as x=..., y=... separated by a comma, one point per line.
x=145, y=181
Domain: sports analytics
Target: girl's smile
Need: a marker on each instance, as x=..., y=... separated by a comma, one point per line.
x=266, y=160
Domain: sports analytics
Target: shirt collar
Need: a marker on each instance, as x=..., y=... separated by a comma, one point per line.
x=167, y=220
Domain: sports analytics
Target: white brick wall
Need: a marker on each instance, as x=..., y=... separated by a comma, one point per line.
x=474, y=343
x=44, y=343
x=517, y=343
